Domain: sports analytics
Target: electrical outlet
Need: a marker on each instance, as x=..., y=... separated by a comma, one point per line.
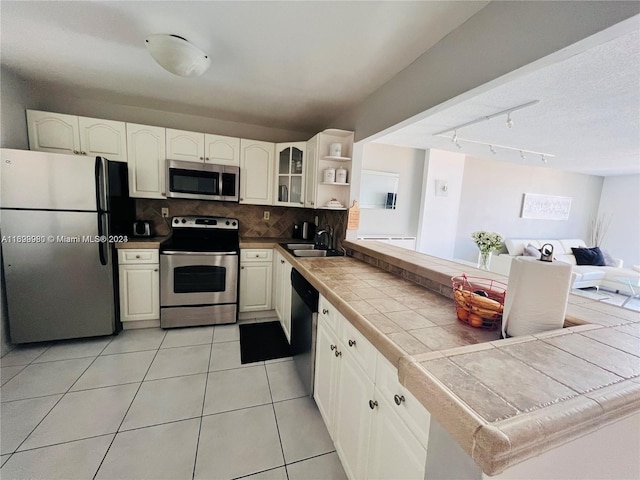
x=165, y=212
x=266, y=215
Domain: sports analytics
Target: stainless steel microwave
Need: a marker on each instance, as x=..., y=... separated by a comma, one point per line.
x=203, y=181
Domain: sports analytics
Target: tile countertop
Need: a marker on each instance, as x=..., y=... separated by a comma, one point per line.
x=504, y=401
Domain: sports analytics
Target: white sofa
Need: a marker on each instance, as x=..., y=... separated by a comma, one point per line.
x=583, y=276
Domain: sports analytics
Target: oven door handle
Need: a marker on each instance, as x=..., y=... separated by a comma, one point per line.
x=180, y=252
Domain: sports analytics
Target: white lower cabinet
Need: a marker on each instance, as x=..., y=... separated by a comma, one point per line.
x=256, y=277
x=282, y=292
x=394, y=452
x=379, y=429
x=139, y=278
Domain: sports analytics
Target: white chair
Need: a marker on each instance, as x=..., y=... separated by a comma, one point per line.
x=537, y=295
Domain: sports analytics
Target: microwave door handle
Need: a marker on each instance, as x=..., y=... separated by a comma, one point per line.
x=220, y=177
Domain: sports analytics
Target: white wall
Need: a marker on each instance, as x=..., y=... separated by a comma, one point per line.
x=439, y=210
x=621, y=200
x=15, y=96
x=408, y=162
x=76, y=101
x=491, y=200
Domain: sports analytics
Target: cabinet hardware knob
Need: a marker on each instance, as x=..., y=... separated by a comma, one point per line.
x=206, y=158
x=311, y=203
x=373, y=404
x=338, y=353
x=398, y=399
x=282, y=262
x=241, y=199
x=201, y=158
x=241, y=268
x=76, y=152
x=325, y=311
x=155, y=269
x=352, y=343
x=333, y=347
x=83, y=153
x=137, y=256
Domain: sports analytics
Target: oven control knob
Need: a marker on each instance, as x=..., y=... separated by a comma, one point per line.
x=176, y=221
x=234, y=224
x=184, y=220
x=227, y=222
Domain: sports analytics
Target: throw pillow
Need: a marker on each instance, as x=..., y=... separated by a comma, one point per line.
x=609, y=261
x=531, y=251
x=588, y=256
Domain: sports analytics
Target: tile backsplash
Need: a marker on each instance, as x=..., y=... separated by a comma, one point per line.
x=252, y=224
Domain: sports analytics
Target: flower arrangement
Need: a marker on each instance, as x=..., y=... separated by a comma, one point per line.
x=486, y=242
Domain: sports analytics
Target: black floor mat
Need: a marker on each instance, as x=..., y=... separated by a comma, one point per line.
x=262, y=341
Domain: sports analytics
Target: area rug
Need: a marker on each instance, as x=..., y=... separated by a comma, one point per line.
x=262, y=341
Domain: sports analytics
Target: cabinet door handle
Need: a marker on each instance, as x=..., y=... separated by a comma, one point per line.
x=311, y=203
x=338, y=353
x=325, y=311
x=398, y=399
x=83, y=153
x=352, y=343
x=333, y=347
x=373, y=404
x=76, y=152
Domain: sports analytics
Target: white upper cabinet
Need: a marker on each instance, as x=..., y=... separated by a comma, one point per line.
x=256, y=172
x=53, y=132
x=289, y=174
x=186, y=146
x=222, y=150
x=146, y=149
x=70, y=134
x=202, y=147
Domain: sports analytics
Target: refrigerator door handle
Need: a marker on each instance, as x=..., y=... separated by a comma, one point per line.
x=103, y=240
x=101, y=184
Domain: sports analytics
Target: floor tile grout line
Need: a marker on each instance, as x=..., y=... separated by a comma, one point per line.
x=133, y=399
x=275, y=416
x=312, y=457
x=63, y=443
x=56, y=404
x=204, y=398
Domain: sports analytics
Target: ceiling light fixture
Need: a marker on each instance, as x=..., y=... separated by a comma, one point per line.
x=176, y=55
x=493, y=148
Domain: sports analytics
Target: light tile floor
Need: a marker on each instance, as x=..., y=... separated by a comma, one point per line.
x=156, y=404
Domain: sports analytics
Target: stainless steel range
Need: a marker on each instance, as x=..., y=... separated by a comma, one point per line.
x=199, y=272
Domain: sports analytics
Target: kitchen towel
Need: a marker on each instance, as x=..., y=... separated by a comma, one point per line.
x=537, y=295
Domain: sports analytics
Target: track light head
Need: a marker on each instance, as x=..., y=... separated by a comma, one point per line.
x=458, y=144
x=509, y=120
x=522, y=155
x=543, y=158
x=492, y=150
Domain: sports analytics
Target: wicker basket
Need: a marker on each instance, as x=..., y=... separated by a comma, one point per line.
x=479, y=301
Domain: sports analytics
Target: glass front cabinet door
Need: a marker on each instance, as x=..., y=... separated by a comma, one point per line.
x=290, y=170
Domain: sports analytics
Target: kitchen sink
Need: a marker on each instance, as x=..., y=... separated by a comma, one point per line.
x=310, y=253
x=300, y=246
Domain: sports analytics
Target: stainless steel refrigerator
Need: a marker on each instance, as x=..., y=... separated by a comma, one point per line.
x=56, y=255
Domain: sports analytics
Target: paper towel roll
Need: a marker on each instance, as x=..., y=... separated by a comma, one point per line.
x=537, y=295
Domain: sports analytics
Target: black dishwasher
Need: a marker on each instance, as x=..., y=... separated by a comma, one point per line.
x=304, y=323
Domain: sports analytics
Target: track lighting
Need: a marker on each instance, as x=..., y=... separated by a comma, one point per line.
x=456, y=140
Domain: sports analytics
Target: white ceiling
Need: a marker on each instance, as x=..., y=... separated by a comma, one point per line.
x=293, y=65
x=588, y=115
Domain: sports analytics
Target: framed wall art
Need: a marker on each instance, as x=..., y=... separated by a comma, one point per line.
x=545, y=207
